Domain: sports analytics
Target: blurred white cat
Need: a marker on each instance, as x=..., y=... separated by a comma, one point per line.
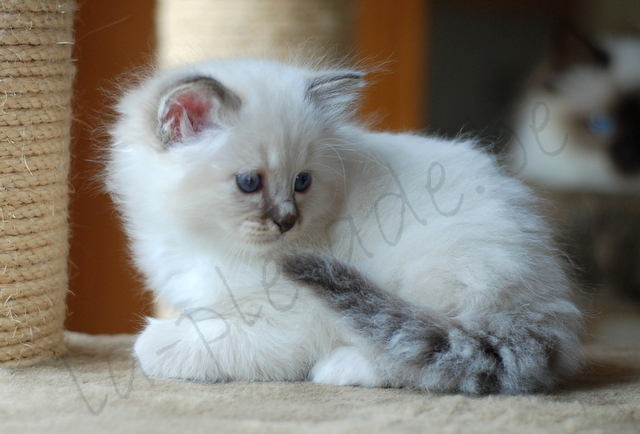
x=577, y=127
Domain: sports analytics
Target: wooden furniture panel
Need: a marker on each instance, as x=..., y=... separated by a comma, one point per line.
x=112, y=37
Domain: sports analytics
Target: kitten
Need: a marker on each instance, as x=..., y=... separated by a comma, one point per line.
x=577, y=140
x=577, y=125
x=299, y=245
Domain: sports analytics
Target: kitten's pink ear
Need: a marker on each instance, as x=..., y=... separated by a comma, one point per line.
x=192, y=106
x=336, y=91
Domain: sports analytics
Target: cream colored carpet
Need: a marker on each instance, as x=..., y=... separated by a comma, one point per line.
x=99, y=389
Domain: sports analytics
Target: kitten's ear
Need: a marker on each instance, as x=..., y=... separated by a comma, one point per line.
x=569, y=47
x=194, y=105
x=335, y=91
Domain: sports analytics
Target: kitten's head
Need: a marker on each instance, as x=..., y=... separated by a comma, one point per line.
x=243, y=151
x=586, y=94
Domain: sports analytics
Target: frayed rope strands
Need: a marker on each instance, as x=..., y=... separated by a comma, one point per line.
x=36, y=77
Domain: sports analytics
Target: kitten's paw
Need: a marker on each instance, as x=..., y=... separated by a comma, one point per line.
x=346, y=366
x=168, y=349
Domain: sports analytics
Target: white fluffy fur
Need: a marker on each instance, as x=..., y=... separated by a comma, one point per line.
x=583, y=165
x=434, y=221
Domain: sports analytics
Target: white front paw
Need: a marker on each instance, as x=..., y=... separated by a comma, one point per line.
x=171, y=349
x=346, y=366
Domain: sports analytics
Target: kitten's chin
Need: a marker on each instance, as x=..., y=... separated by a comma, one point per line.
x=266, y=242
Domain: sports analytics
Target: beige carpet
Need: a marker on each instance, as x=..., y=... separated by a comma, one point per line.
x=98, y=389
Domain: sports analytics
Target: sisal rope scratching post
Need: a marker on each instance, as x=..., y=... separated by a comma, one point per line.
x=36, y=77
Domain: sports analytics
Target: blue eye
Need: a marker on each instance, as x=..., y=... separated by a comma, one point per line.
x=303, y=181
x=601, y=124
x=249, y=182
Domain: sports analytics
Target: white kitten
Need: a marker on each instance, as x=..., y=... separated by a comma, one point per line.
x=407, y=261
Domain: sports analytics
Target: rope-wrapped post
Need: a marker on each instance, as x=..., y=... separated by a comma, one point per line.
x=36, y=76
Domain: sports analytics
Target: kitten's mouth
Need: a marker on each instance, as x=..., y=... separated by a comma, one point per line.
x=270, y=240
x=266, y=239
x=265, y=234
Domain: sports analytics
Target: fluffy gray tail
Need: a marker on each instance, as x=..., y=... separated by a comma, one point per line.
x=499, y=353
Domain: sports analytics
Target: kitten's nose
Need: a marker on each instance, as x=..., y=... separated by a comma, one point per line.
x=286, y=222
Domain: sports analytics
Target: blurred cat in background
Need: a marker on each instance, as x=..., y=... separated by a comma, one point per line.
x=577, y=138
